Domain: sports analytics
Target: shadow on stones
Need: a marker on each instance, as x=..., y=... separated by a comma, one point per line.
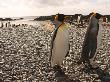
x=102, y=74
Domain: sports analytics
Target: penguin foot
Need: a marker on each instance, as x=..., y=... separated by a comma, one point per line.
x=81, y=61
x=60, y=76
x=88, y=68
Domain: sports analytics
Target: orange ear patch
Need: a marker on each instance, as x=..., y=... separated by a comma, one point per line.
x=56, y=17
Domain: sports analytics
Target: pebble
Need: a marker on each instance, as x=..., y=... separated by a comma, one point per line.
x=26, y=52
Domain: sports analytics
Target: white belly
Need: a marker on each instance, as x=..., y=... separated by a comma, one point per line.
x=60, y=47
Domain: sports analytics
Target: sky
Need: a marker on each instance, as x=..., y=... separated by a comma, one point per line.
x=17, y=8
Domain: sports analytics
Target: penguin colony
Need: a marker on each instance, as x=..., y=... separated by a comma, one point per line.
x=24, y=54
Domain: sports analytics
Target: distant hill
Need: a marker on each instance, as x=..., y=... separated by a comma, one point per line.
x=43, y=18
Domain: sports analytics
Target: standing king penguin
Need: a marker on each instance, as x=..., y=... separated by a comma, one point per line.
x=59, y=44
x=90, y=41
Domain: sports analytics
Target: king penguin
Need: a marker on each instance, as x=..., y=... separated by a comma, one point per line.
x=90, y=41
x=60, y=41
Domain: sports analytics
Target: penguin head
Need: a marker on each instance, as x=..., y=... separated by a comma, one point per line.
x=60, y=17
x=91, y=14
x=98, y=16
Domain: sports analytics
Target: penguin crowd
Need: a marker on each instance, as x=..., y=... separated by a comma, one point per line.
x=25, y=53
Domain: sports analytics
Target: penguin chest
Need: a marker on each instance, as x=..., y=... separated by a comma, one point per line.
x=94, y=32
x=61, y=43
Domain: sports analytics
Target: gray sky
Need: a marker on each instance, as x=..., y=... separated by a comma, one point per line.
x=48, y=7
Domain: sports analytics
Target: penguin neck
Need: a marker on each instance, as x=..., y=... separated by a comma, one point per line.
x=62, y=27
x=61, y=24
x=58, y=24
x=94, y=21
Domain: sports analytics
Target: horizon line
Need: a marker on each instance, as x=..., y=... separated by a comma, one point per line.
x=39, y=15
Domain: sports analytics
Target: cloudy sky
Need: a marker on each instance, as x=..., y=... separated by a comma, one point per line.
x=15, y=8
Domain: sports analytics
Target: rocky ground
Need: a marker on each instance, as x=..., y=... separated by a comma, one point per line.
x=25, y=52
